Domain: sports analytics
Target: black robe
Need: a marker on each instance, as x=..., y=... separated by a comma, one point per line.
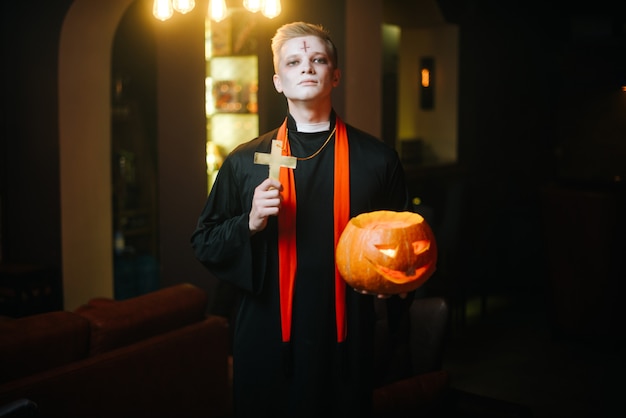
x=324, y=378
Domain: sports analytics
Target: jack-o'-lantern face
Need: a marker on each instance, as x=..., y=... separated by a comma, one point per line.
x=386, y=252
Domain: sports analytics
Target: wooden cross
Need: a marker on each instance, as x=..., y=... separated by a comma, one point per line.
x=275, y=159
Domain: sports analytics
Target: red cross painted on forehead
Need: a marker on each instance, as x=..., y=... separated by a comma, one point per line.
x=305, y=47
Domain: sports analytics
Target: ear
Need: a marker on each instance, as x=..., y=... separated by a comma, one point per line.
x=336, y=77
x=277, y=84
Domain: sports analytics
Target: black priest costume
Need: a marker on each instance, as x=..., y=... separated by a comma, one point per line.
x=304, y=348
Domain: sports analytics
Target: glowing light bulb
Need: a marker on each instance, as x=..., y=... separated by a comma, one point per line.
x=184, y=6
x=425, y=77
x=253, y=5
x=271, y=8
x=217, y=10
x=162, y=9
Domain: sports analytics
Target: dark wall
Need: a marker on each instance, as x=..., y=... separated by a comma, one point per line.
x=540, y=104
x=532, y=71
x=29, y=162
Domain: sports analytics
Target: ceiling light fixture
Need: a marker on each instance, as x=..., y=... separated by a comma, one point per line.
x=217, y=10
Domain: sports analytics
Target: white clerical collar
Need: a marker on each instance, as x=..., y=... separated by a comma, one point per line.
x=313, y=127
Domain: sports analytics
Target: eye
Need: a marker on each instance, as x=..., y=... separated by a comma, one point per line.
x=292, y=63
x=388, y=250
x=320, y=60
x=421, y=246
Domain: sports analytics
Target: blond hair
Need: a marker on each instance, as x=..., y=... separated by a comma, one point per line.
x=298, y=30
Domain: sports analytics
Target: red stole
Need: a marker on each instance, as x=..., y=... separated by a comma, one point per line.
x=287, y=258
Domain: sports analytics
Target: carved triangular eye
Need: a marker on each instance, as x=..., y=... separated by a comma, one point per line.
x=388, y=250
x=421, y=246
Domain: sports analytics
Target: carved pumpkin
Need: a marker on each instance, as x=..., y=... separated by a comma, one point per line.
x=386, y=252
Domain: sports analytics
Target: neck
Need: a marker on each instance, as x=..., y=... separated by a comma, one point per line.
x=307, y=115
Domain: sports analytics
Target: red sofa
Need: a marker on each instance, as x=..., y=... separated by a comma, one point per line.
x=156, y=355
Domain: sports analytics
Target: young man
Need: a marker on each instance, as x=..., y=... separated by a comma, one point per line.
x=303, y=343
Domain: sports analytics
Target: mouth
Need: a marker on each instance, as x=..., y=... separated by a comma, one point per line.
x=308, y=83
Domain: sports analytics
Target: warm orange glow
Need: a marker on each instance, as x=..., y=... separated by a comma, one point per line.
x=184, y=6
x=624, y=88
x=425, y=77
x=217, y=10
x=386, y=252
x=162, y=9
x=389, y=252
x=271, y=8
x=421, y=246
x=253, y=5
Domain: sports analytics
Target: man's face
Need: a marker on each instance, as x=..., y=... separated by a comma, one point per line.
x=305, y=72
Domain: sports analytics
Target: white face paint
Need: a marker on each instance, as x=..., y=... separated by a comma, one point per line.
x=305, y=71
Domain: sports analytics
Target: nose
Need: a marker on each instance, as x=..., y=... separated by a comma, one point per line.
x=307, y=68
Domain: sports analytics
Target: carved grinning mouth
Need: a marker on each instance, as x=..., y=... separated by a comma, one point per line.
x=401, y=277
x=397, y=276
